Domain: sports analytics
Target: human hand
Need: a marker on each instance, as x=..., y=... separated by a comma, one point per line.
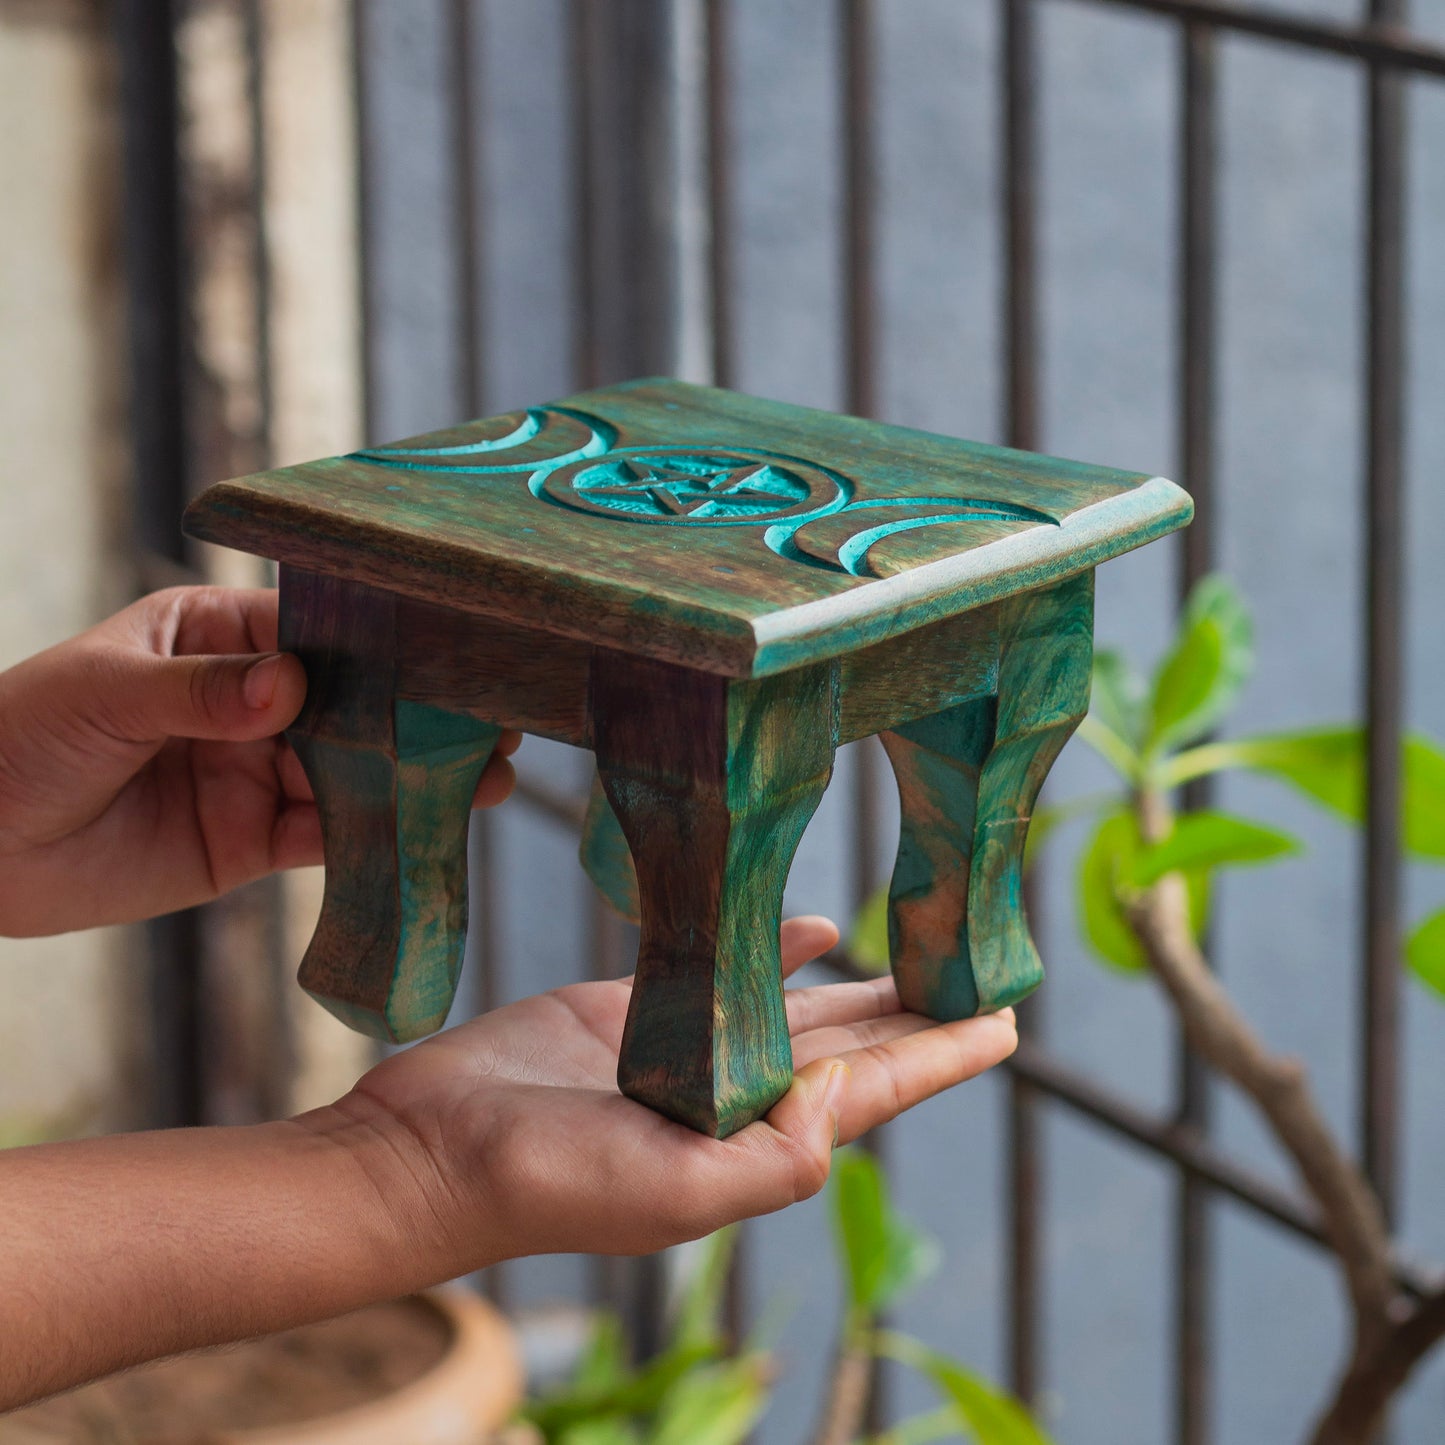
x=140, y=767
x=506, y=1136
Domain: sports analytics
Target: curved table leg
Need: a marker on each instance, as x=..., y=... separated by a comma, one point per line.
x=393, y=783
x=713, y=783
x=968, y=780
x=605, y=856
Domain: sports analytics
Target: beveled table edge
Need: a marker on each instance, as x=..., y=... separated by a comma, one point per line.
x=1107, y=528
x=720, y=642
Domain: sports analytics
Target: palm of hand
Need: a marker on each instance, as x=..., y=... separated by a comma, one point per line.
x=518, y=1116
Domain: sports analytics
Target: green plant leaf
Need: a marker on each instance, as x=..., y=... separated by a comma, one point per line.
x=1105, y=864
x=1206, y=840
x=610, y=1430
x=883, y=1255
x=1111, y=747
x=604, y=1365
x=1108, y=864
x=868, y=941
x=1202, y=673
x=1119, y=697
x=1328, y=766
x=1423, y=800
x=718, y=1405
x=606, y=1386
x=991, y=1415
x=1425, y=952
x=940, y=1423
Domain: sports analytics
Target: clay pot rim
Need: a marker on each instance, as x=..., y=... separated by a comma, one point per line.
x=482, y=1352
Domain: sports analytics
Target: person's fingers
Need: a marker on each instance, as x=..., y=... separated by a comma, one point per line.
x=495, y=785
x=141, y=698
x=296, y=838
x=894, y=1075
x=509, y=742
x=183, y=621
x=291, y=776
x=843, y=1039
x=803, y=939
x=826, y=1004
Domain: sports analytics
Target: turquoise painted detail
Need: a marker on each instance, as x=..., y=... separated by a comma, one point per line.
x=531, y=424
x=601, y=438
x=731, y=487
x=853, y=554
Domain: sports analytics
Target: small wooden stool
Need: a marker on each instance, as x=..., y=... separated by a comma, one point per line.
x=711, y=592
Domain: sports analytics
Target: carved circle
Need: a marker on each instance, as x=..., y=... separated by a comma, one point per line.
x=715, y=487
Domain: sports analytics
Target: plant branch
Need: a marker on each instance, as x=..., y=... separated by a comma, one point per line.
x=1350, y=1214
x=1363, y=1395
x=1390, y=1335
x=846, y=1401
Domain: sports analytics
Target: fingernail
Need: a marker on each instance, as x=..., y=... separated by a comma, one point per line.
x=259, y=688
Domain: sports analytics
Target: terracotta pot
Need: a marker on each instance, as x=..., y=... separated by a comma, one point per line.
x=440, y=1368
x=469, y=1394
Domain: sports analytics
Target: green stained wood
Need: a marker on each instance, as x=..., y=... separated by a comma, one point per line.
x=968, y=781
x=693, y=525
x=440, y=760
x=606, y=857
x=711, y=592
x=393, y=782
x=937, y=762
x=1043, y=693
x=713, y=784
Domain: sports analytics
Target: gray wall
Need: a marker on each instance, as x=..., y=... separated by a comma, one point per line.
x=1290, y=529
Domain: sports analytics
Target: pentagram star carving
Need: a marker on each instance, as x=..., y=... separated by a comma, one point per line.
x=684, y=492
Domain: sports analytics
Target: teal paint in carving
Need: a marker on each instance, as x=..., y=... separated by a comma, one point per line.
x=403, y=456
x=530, y=425
x=735, y=487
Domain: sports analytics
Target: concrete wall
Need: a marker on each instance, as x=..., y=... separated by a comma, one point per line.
x=62, y=1034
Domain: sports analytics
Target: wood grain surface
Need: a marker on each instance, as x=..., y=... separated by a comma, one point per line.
x=698, y=526
x=393, y=783
x=713, y=783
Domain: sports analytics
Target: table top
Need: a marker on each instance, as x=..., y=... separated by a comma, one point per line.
x=699, y=526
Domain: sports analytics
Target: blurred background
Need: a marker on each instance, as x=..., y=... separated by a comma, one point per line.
x=1199, y=239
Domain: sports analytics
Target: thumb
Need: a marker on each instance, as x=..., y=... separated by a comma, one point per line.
x=235, y=698
x=791, y=1150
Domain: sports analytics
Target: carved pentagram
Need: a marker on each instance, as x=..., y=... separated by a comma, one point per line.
x=682, y=486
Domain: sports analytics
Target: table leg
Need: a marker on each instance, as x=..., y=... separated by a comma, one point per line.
x=713, y=782
x=968, y=779
x=393, y=783
x=605, y=856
